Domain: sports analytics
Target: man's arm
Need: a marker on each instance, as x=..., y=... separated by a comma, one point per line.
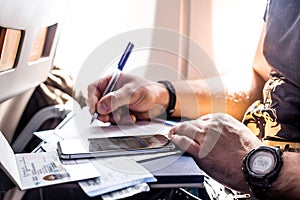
x=231, y=93
x=219, y=143
x=287, y=185
x=238, y=90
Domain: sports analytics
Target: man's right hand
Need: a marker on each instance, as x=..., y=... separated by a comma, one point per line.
x=133, y=98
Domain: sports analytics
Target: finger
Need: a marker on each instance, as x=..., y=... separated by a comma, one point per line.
x=93, y=96
x=127, y=119
x=122, y=116
x=186, y=144
x=104, y=118
x=114, y=100
x=95, y=91
x=189, y=129
x=102, y=83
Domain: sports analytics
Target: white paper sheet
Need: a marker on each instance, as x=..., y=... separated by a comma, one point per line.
x=116, y=174
x=80, y=127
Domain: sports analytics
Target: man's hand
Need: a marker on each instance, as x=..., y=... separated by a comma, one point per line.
x=133, y=98
x=219, y=143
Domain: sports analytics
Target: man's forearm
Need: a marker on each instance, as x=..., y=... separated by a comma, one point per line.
x=286, y=186
x=232, y=93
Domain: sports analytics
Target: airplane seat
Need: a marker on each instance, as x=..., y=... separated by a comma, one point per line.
x=29, y=32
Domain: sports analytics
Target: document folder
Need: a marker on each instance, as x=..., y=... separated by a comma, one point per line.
x=175, y=171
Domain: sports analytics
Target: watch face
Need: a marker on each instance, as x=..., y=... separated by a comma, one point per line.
x=262, y=162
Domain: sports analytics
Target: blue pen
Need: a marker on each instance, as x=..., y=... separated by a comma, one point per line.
x=109, y=88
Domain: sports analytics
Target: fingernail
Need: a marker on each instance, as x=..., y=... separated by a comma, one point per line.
x=104, y=108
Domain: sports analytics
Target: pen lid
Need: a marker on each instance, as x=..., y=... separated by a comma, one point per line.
x=125, y=56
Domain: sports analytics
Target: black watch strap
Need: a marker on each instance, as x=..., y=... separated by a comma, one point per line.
x=172, y=97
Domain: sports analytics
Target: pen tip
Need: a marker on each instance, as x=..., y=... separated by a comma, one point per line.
x=95, y=115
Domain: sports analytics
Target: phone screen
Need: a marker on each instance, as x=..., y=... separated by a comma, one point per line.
x=127, y=143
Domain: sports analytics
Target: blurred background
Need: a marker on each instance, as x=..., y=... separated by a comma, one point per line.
x=227, y=30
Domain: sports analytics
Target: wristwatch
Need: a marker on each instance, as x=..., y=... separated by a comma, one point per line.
x=261, y=167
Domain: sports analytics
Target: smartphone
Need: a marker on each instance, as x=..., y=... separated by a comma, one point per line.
x=115, y=146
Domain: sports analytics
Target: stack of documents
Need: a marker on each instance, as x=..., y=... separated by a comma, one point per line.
x=116, y=173
x=111, y=177
x=119, y=175
x=127, y=175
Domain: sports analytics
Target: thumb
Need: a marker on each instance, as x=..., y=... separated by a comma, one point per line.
x=113, y=101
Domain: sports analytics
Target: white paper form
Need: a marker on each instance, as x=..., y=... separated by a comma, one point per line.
x=31, y=170
x=116, y=174
x=78, y=127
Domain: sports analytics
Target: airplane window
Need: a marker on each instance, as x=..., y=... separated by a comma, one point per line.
x=42, y=43
x=10, y=40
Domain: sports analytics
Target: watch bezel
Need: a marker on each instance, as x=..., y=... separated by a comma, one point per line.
x=252, y=154
x=260, y=183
